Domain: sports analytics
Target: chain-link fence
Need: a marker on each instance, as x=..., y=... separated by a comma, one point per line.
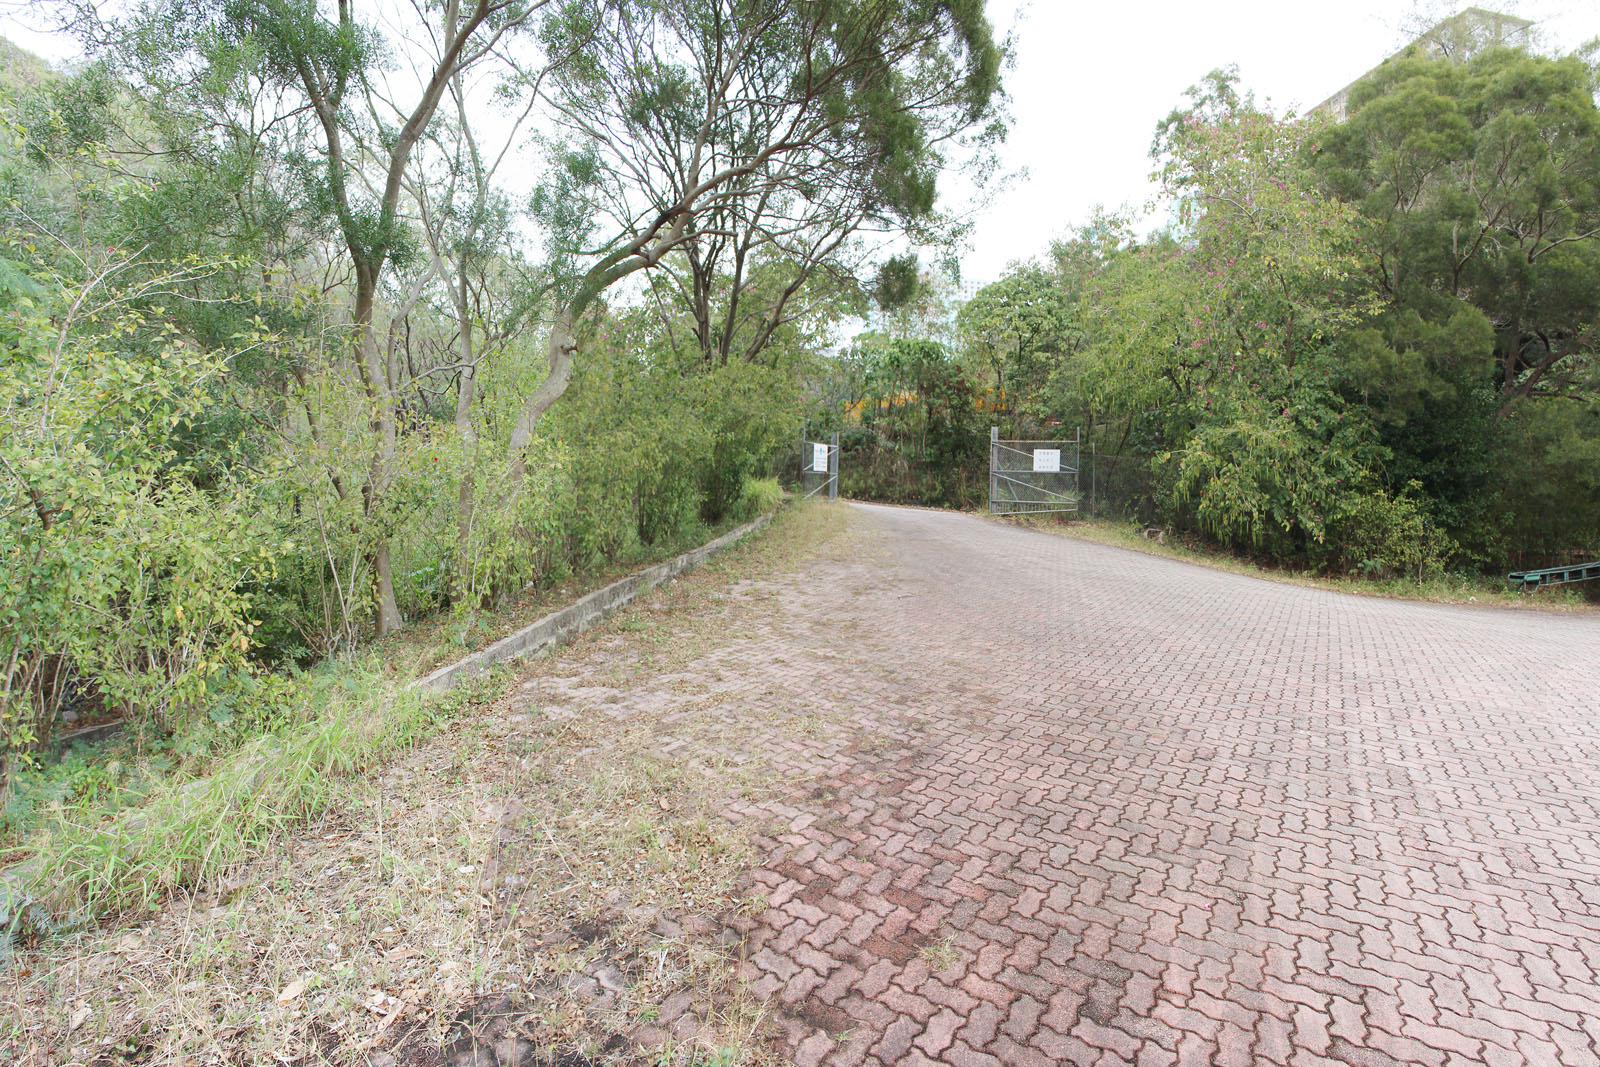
x=1033, y=477
x=1117, y=487
x=1108, y=486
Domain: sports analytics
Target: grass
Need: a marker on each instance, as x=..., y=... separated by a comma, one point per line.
x=90, y=862
x=1448, y=589
x=352, y=884
x=940, y=954
x=203, y=802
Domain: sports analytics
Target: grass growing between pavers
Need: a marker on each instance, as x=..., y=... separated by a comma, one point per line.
x=487, y=857
x=1450, y=589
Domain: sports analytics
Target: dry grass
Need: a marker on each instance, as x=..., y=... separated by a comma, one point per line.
x=525, y=874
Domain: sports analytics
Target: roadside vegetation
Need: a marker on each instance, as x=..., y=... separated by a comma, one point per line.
x=1363, y=347
x=112, y=826
x=1450, y=588
x=332, y=348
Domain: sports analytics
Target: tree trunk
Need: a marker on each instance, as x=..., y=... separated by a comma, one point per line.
x=563, y=343
x=466, y=393
x=380, y=395
x=388, y=619
x=563, y=335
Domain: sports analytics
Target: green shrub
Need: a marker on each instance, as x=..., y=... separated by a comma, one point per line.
x=1380, y=535
x=751, y=414
x=119, y=577
x=1269, y=478
x=757, y=496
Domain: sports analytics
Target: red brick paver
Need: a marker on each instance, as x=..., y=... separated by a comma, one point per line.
x=1086, y=806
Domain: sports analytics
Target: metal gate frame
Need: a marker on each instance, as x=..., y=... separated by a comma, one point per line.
x=828, y=479
x=1018, y=487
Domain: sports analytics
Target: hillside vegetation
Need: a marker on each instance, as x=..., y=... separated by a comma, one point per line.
x=1363, y=347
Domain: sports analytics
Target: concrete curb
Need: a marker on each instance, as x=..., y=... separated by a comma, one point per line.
x=560, y=626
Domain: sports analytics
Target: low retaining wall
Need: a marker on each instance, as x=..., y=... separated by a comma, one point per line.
x=577, y=617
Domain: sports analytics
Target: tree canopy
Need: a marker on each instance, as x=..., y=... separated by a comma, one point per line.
x=1364, y=345
x=358, y=273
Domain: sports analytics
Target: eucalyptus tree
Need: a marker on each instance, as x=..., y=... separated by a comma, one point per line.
x=726, y=139
x=469, y=225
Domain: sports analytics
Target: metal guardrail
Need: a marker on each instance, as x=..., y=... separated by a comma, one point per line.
x=1537, y=579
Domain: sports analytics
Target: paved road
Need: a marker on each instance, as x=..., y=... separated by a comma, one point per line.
x=1093, y=807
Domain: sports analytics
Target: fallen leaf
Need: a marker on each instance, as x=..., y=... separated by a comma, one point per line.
x=79, y=1017
x=292, y=990
x=387, y=1021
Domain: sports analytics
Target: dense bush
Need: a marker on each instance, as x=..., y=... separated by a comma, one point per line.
x=137, y=579
x=1379, y=535
x=121, y=582
x=757, y=497
x=914, y=427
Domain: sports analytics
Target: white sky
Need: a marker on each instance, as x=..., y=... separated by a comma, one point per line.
x=1092, y=79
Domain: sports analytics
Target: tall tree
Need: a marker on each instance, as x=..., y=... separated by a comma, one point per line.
x=1477, y=174
x=1480, y=182
x=468, y=223
x=325, y=68
x=1019, y=328
x=1223, y=337
x=746, y=135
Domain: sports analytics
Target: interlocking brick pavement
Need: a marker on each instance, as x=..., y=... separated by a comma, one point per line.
x=1079, y=805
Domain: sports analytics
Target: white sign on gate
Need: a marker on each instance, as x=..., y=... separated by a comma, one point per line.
x=819, y=458
x=1046, y=460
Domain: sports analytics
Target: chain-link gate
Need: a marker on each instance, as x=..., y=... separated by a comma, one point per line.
x=1032, y=477
x=819, y=468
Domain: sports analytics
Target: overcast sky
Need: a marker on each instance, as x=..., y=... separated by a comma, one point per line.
x=1092, y=79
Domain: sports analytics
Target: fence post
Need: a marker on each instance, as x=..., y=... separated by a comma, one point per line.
x=1077, y=469
x=833, y=467
x=1094, y=468
x=994, y=456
